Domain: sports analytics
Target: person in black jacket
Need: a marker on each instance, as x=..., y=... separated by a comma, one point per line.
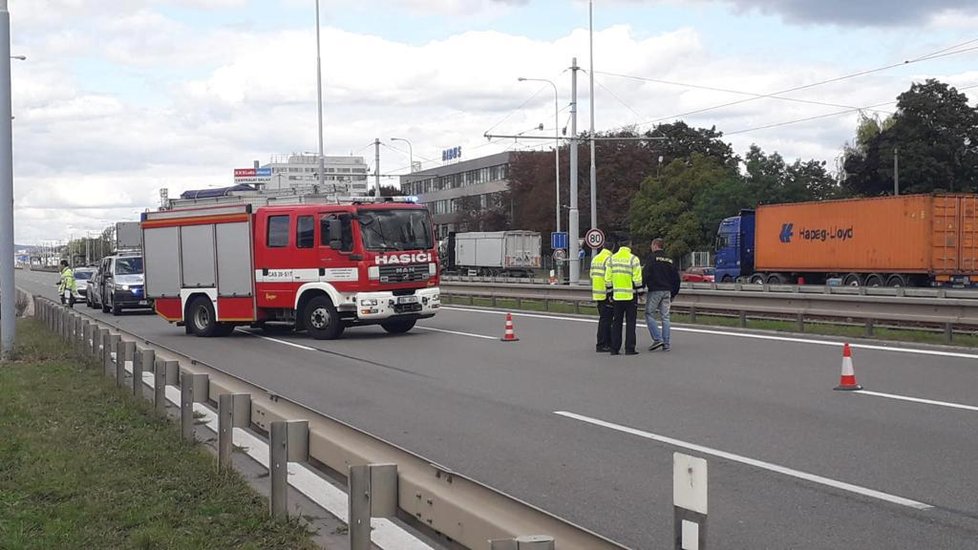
x=662, y=280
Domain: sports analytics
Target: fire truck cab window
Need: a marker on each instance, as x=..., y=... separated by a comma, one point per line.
x=336, y=232
x=278, y=231
x=305, y=232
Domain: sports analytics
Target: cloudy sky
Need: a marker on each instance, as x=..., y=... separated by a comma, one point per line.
x=119, y=99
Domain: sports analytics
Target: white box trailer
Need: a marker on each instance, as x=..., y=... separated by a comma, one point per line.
x=128, y=236
x=497, y=252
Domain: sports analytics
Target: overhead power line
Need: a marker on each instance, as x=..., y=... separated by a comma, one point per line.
x=927, y=57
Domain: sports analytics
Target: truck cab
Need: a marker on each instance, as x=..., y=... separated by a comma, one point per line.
x=735, y=248
x=376, y=264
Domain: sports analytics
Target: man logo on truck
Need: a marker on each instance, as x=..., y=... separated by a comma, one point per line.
x=786, y=232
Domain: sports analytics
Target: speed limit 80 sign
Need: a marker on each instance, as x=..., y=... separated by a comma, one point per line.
x=594, y=238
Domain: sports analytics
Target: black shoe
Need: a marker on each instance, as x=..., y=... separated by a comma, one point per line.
x=656, y=345
x=632, y=352
x=602, y=349
x=613, y=352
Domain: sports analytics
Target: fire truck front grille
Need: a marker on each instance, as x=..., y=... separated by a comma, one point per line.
x=403, y=273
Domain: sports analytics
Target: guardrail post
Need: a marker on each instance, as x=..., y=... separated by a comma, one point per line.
x=529, y=542
x=689, y=500
x=164, y=374
x=110, y=344
x=86, y=339
x=143, y=358
x=372, y=492
x=692, y=314
x=289, y=442
x=125, y=351
x=948, y=333
x=800, y=322
x=192, y=390
x=870, y=327
x=577, y=307
x=233, y=411
x=98, y=336
x=743, y=319
x=492, y=300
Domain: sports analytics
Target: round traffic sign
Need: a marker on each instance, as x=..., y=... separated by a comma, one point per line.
x=560, y=254
x=594, y=238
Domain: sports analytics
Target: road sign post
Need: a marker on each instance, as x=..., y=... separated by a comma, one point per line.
x=689, y=499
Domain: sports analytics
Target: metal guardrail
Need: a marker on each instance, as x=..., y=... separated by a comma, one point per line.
x=943, y=309
x=913, y=292
x=429, y=496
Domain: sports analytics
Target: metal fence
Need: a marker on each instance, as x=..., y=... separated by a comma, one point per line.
x=947, y=309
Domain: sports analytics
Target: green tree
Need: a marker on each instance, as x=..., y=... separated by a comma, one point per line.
x=935, y=134
x=674, y=205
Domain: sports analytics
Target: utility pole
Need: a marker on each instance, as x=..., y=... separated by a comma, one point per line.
x=594, y=168
x=8, y=326
x=573, y=223
x=377, y=165
x=896, y=171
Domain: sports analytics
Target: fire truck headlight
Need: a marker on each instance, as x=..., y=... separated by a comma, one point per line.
x=368, y=302
x=125, y=287
x=436, y=297
x=373, y=272
x=432, y=268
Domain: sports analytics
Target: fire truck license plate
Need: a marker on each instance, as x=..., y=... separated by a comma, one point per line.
x=407, y=299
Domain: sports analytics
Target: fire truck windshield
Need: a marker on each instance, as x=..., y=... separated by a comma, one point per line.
x=395, y=229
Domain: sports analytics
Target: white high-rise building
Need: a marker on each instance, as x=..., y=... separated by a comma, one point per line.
x=345, y=175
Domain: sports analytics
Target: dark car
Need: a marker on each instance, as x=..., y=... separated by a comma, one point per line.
x=699, y=275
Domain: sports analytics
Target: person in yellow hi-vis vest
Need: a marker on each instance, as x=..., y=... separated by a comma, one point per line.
x=601, y=294
x=625, y=274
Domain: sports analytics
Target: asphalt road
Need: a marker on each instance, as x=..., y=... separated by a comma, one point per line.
x=451, y=391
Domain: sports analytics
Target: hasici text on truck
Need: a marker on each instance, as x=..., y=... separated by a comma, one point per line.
x=319, y=267
x=910, y=240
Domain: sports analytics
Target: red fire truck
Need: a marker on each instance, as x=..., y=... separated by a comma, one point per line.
x=320, y=267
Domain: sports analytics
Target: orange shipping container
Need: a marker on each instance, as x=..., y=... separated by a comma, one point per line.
x=927, y=234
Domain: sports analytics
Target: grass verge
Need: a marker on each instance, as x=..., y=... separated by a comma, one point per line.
x=814, y=328
x=84, y=465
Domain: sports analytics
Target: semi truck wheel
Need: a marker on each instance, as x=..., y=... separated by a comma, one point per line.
x=398, y=327
x=853, y=279
x=201, y=318
x=321, y=319
x=896, y=281
x=874, y=280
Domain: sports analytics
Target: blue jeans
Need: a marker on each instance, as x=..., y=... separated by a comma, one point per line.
x=658, y=301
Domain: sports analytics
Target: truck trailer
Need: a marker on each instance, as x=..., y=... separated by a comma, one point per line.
x=319, y=267
x=506, y=253
x=910, y=240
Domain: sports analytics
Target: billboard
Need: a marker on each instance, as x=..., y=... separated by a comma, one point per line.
x=252, y=175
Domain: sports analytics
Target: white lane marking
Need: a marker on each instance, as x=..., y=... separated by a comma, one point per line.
x=753, y=462
x=459, y=333
x=276, y=340
x=919, y=400
x=740, y=335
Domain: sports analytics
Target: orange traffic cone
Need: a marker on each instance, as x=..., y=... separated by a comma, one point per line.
x=847, y=382
x=509, y=335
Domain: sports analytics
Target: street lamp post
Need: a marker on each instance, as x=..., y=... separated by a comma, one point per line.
x=319, y=101
x=410, y=151
x=556, y=155
x=7, y=324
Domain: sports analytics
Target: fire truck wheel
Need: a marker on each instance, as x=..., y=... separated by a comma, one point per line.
x=398, y=327
x=321, y=319
x=200, y=317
